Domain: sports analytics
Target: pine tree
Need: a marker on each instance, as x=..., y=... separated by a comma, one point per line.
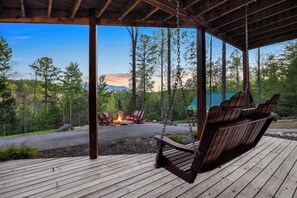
x=7, y=102
x=103, y=94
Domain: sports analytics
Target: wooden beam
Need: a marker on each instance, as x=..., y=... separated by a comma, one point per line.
x=206, y=6
x=49, y=8
x=23, y=8
x=127, y=8
x=275, y=31
x=75, y=8
x=102, y=7
x=273, y=40
x=93, y=107
x=229, y=7
x=201, y=79
x=149, y=13
x=0, y=6
x=279, y=20
x=255, y=13
x=189, y=3
x=169, y=17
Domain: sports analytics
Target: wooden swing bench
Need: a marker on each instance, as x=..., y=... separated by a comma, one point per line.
x=229, y=131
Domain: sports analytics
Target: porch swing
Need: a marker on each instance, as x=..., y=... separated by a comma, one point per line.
x=229, y=130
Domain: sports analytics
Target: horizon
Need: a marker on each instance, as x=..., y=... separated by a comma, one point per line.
x=69, y=43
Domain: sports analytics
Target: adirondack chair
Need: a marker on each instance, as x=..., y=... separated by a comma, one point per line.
x=227, y=134
x=191, y=117
x=133, y=116
x=139, y=118
x=104, y=119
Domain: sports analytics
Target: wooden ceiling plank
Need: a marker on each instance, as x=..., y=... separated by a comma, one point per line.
x=127, y=8
x=102, y=7
x=276, y=20
x=240, y=14
x=206, y=6
x=229, y=7
x=268, y=28
x=169, y=17
x=273, y=40
x=0, y=6
x=23, y=8
x=189, y=3
x=49, y=8
x=149, y=13
x=274, y=32
x=75, y=8
x=259, y=16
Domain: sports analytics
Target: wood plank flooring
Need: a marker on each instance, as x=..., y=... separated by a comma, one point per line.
x=269, y=170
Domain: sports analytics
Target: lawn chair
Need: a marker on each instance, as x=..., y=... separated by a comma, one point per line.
x=128, y=117
x=139, y=118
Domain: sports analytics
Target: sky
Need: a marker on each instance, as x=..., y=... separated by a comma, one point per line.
x=69, y=43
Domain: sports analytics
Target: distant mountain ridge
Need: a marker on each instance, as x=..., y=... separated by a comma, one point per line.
x=116, y=88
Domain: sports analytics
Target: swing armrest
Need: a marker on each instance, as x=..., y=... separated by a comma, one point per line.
x=174, y=144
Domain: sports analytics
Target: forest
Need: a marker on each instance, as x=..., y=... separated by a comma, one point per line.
x=52, y=97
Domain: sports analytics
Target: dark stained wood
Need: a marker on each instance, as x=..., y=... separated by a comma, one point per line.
x=102, y=7
x=257, y=16
x=49, y=9
x=273, y=39
x=278, y=31
x=239, y=14
x=169, y=17
x=93, y=121
x=189, y=3
x=23, y=8
x=127, y=8
x=206, y=6
x=264, y=26
x=149, y=13
x=225, y=9
x=223, y=71
x=201, y=79
x=75, y=8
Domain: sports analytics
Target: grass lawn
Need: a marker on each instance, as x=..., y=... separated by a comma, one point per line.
x=284, y=125
x=31, y=133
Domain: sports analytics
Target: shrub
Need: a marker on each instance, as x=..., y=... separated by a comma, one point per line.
x=177, y=138
x=23, y=151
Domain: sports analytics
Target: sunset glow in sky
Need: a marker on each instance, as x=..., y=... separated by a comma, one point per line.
x=66, y=43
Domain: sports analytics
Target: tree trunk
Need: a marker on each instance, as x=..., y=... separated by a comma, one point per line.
x=169, y=72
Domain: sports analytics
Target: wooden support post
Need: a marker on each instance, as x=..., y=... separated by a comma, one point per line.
x=201, y=79
x=223, y=71
x=93, y=120
x=258, y=77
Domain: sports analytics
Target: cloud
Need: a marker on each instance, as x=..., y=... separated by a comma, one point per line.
x=117, y=79
x=21, y=37
x=18, y=76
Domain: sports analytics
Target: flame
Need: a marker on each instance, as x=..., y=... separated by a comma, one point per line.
x=119, y=119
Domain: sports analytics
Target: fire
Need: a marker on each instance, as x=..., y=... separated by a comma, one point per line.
x=119, y=119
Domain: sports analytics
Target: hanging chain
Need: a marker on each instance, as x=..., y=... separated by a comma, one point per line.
x=247, y=47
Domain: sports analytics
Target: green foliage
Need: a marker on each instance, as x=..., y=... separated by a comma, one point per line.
x=13, y=152
x=177, y=138
x=103, y=94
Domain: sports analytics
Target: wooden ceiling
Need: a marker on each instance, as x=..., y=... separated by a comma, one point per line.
x=270, y=21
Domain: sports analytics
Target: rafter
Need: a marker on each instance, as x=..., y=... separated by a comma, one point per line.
x=127, y=8
x=49, y=8
x=229, y=7
x=286, y=17
x=277, y=9
x=273, y=39
x=102, y=7
x=275, y=32
x=169, y=17
x=75, y=8
x=0, y=6
x=269, y=28
x=206, y=6
x=189, y=3
x=23, y=8
x=240, y=14
x=149, y=13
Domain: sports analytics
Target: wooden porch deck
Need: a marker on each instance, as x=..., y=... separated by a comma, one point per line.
x=270, y=170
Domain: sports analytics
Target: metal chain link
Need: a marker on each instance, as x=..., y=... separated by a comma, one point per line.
x=247, y=46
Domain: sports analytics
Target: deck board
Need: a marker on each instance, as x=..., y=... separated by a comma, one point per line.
x=269, y=170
